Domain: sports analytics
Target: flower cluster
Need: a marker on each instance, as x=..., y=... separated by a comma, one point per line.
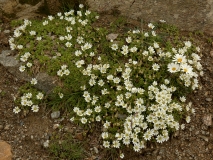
x=29, y=100
x=135, y=86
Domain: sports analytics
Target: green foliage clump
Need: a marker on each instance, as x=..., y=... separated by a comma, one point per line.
x=65, y=148
x=135, y=84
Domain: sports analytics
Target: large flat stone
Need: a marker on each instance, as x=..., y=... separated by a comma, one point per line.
x=5, y=151
x=45, y=83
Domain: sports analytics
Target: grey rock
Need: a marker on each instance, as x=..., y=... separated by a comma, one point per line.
x=111, y=36
x=152, y=11
x=7, y=60
x=55, y=115
x=45, y=83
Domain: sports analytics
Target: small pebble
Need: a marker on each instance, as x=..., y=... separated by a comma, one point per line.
x=55, y=115
x=204, y=138
x=7, y=127
x=208, y=99
x=55, y=126
x=96, y=150
x=6, y=31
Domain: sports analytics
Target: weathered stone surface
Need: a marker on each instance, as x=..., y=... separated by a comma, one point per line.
x=188, y=14
x=27, y=11
x=45, y=82
x=8, y=6
x=5, y=151
x=22, y=11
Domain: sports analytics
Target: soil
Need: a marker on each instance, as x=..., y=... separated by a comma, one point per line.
x=26, y=133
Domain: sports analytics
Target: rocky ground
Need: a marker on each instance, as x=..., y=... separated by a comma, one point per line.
x=28, y=134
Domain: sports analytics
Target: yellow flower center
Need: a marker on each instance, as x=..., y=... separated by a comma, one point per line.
x=174, y=69
x=185, y=70
x=179, y=60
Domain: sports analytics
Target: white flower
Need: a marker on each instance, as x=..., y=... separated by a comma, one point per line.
x=50, y=18
x=20, y=46
x=40, y=95
x=114, y=47
x=97, y=109
x=106, y=124
x=133, y=49
x=32, y=33
x=156, y=45
x=35, y=108
x=106, y=144
x=155, y=67
x=38, y=38
x=34, y=81
x=198, y=49
x=68, y=37
x=92, y=54
x=72, y=119
x=17, y=33
x=129, y=39
x=28, y=95
x=45, y=23
x=188, y=44
x=66, y=72
x=121, y=155
x=61, y=38
x=61, y=95
x=60, y=73
x=110, y=77
x=29, y=64
x=68, y=44
x=173, y=67
x=188, y=119
x=12, y=46
x=80, y=40
x=150, y=25
x=83, y=120
x=79, y=13
x=59, y=14
x=87, y=12
x=136, y=31
x=16, y=110
x=183, y=99
x=116, y=80
x=98, y=118
x=153, y=33
x=105, y=135
x=81, y=5
x=22, y=68
x=182, y=126
x=186, y=68
x=116, y=144
x=146, y=34
x=78, y=53
x=179, y=58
